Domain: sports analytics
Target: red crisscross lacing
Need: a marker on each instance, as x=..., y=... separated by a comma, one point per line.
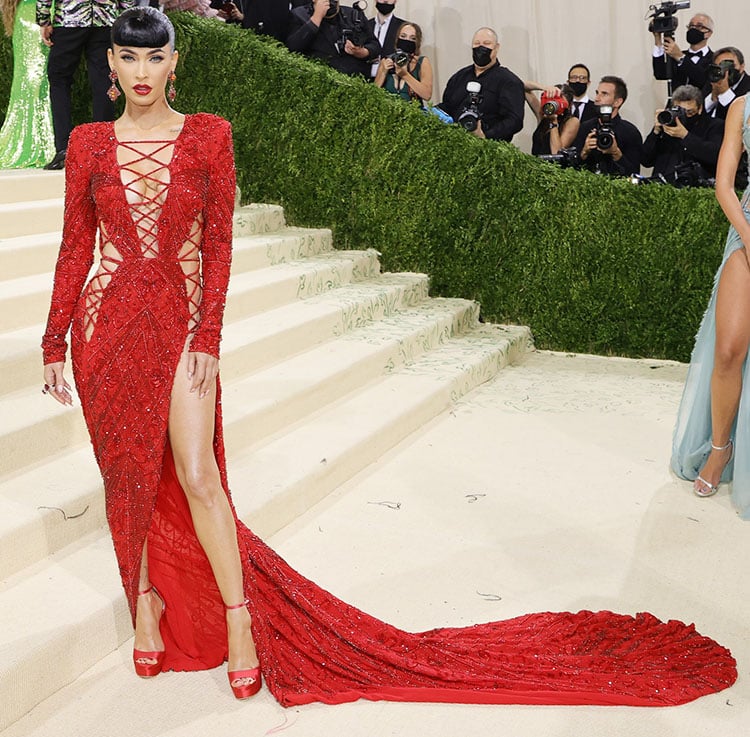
x=145, y=177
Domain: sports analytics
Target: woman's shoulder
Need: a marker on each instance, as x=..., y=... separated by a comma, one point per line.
x=92, y=131
x=208, y=122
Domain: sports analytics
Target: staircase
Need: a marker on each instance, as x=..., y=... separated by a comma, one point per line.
x=327, y=364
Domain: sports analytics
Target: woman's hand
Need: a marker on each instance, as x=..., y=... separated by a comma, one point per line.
x=202, y=372
x=387, y=64
x=55, y=384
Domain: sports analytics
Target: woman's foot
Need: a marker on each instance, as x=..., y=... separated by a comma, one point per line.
x=243, y=667
x=148, y=648
x=707, y=483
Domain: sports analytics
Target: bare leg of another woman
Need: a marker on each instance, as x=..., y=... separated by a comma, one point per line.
x=732, y=340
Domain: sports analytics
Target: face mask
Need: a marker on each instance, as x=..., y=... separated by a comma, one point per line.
x=482, y=56
x=385, y=8
x=404, y=44
x=694, y=36
x=689, y=122
x=578, y=88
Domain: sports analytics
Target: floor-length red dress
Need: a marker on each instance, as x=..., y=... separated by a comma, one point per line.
x=164, y=268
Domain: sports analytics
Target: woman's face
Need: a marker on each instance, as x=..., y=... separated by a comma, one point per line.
x=143, y=73
x=408, y=33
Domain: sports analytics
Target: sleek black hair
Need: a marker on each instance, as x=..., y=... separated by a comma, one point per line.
x=143, y=27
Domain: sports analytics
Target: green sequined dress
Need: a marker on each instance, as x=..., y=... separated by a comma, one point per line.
x=26, y=138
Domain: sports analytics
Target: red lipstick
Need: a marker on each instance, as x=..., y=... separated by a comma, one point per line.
x=141, y=89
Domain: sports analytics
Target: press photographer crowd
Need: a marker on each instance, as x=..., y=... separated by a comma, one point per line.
x=578, y=125
x=575, y=128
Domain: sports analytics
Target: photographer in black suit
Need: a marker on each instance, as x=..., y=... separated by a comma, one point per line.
x=691, y=65
x=499, y=105
x=683, y=146
x=384, y=26
x=609, y=144
x=334, y=33
x=726, y=81
x=267, y=17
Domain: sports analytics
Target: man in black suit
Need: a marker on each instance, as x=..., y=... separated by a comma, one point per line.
x=732, y=83
x=685, y=151
x=267, y=17
x=579, y=78
x=334, y=33
x=384, y=27
x=691, y=65
x=623, y=154
x=501, y=98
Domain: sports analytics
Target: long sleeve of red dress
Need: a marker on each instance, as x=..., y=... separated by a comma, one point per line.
x=76, y=250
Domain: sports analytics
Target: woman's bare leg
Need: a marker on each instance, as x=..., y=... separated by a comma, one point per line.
x=148, y=611
x=191, y=433
x=732, y=340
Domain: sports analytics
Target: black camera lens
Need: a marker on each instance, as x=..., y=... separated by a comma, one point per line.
x=604, y=139
x=668, y=117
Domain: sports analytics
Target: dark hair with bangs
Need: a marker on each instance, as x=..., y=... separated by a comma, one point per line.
x=143, y=27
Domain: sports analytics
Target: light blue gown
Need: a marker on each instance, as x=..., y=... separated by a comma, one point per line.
x=691, y=443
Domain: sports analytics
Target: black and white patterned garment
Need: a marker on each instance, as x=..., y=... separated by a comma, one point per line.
x=81, y=13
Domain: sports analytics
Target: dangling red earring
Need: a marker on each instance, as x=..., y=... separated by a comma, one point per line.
x=113, y=92
x=171, y=91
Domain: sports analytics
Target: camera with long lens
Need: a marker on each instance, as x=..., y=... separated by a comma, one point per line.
x=470, y=117
x=399, y=57
x=354, y=28
x=663, y=17
x=716, y=72
x=553, y=105
x=605, y=136
x=565, y=157
x=670, y=116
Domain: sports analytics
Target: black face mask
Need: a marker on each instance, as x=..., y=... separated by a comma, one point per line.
x=404, y=44
x=482, y=56
x=385, y=8
x=689, y=122
x=694, y=36
x=578, y=88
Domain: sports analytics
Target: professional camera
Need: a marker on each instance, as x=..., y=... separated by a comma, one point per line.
x=663, y=20
x=556, y=105
x=400, y=58
x=670, y=116
x=353, y=29
x=605, y=136
x=470, y=117
x=716, y=72
x=567, y=157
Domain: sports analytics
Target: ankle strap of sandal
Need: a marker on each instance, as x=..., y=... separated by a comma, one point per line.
x=721, y=447
x=147, y=591
x=237, y=606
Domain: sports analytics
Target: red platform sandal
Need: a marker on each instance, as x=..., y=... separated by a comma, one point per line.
x=249, y=679
x=149, y=670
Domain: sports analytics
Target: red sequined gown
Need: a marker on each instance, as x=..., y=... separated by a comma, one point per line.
x=163, y=273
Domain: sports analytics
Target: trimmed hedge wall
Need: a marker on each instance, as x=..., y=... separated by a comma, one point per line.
x=591, y=264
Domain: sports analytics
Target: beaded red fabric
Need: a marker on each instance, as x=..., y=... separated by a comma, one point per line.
x=165, y=247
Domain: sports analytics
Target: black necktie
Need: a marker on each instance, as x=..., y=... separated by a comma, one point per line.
x=577, y=108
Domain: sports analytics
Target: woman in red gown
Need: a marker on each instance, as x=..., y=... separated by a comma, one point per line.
x=159, y=187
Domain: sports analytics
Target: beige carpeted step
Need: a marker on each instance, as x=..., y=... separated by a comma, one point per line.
x=29, y=217
x=20, y=185
x=67, y=612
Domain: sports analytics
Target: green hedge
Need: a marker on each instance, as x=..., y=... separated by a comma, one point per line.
x=591, y=264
